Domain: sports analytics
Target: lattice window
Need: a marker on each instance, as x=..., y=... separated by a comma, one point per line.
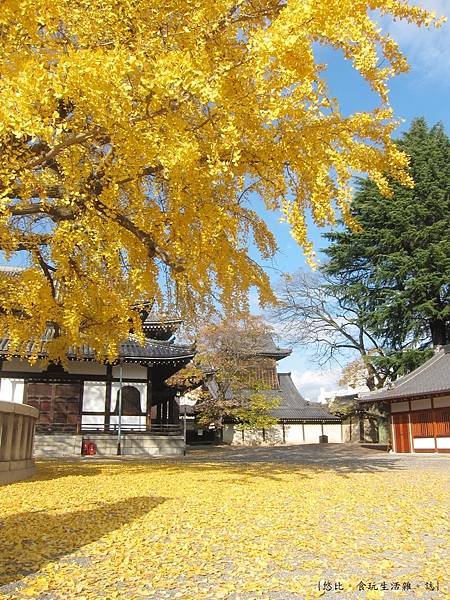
x=422, y=423
x=442, y=417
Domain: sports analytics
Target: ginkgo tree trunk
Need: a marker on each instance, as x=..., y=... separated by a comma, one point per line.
x=133, y=133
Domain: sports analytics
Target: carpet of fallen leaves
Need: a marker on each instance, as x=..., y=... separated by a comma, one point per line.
x=235, y=531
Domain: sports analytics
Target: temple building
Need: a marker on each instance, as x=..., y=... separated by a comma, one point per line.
x=299, y=421
x=81, y=401
x=419, y=406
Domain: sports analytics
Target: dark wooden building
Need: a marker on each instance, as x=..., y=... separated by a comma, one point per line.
x=84, y=396
x=299, y=421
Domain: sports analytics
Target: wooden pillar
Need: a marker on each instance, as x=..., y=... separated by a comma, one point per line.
x=170, y=416
x=80, y=404
x=411, y=441
x=159, y=411
x=361, y=428
x=284, y=434
x=434, y=424
x=392, y=432
x=165, y=411
x=148, y=415
x=108, y=397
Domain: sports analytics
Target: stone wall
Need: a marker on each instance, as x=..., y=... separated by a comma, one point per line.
x=293, y=434
x=17, y=423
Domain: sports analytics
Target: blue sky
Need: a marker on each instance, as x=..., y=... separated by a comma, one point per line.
x=424, y=91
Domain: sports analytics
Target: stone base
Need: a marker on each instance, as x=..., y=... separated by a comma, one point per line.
x=69, y=445
x=57, y=444
x=138, y=445
x=12, y=471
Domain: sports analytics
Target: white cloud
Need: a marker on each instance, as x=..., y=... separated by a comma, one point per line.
x=428, y=51
x=311, y=383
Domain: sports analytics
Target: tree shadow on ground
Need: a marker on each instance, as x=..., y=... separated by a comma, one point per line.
x=275, y=471
x=268, y=461
x=244, y=462
x=55, y=468
x=29, y=540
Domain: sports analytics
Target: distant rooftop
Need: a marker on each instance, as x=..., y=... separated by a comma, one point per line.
x=294, y=407
x=433, y=377
x=161, y=328
x=265, y=346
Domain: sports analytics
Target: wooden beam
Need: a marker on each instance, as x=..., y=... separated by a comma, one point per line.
x=148, y=417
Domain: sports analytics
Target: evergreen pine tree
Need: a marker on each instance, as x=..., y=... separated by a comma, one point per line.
x=398, y=265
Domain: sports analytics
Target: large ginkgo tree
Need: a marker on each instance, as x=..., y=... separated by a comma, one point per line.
x=133, y=133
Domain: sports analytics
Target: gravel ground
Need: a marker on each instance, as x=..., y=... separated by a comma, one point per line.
x=351, y=457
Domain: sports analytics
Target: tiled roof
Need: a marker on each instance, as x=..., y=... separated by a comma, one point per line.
x=294, y=407
x=431, y=377
x=129, y=351
x=160, y=329
x=265, y=346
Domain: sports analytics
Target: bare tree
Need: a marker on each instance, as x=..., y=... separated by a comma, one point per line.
x=313, y=312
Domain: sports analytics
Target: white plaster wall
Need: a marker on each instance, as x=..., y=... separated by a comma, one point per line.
x=130, y=371
x=142, y=387
x=334, y=432
x=293, y=434
x=312, y=433
x=274, y=435
x=16, y=364
x=443, y=442
x=236, y=438
x=85, y=367
x=93, y=420
x=424, y=443
x=136, y=422
x=94, y=396
x=441, y=402
x=11, y=390
x=421, y=404
x=250, y=437
x=399, y=407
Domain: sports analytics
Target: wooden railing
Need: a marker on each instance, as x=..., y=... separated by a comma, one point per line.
x=164, y=429
x=156, y=429
x=17, y=422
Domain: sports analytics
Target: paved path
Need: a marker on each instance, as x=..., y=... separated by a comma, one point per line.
x=339, y=457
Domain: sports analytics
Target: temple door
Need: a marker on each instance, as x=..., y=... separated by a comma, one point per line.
x=400, y=425
x=59, y=405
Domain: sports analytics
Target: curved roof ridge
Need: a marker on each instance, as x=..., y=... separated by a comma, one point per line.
x=433, y=376
x=427, y=364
